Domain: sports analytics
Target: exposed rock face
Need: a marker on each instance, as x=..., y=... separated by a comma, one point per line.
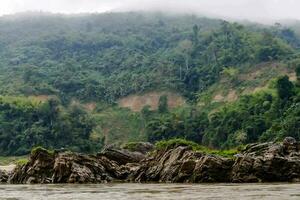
x=3, y=176
x=77, y=168
x=257, y=163
x=38, y=170
x=183, y=165
x=45, y=167
x=268, y=162
x=122, y=156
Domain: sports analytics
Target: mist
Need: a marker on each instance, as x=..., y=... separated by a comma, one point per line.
x=253, y=10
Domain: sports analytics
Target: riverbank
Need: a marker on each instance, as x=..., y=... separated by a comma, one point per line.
x=265, y=162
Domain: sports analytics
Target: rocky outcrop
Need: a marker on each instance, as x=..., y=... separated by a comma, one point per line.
x=268, y=162
x=264, y=162
x=66, y=167
x=3, y=176
x=38, y=170
x=184, y=165
x=141, y=147
x=122, y=156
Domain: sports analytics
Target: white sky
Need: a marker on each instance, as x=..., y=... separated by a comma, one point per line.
x=238, y=9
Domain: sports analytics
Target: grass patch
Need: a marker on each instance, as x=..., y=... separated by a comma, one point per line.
x=173, y=143
x=131, y=146
x=11, y=160
x=22, y=161
x=119, y=126
x=39, y=148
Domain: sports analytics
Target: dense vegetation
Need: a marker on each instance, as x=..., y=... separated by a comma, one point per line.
x=268, y=115
x=105, y=57
x=101, y=58
x=26, y=123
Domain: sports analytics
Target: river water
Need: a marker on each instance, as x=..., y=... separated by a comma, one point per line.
x=151, y=192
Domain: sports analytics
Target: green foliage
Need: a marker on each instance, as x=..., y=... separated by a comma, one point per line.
x=163, y=104
x=269, y=115
x=187, y=123
x=173, y=143
x=25, y=124
x=119, y=126
x=22, y=162
x=108, y=56
x=284, y=87
x=231, y=74
x=272, y=48
x=101, y=58
x=39, y=148
x=298, y=74
x=131, y=146
x=7, y=160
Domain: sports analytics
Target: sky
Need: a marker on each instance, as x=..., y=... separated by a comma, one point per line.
x=253, y=10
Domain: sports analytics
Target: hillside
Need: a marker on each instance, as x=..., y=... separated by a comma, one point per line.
x=123, y=77
x=138, y=102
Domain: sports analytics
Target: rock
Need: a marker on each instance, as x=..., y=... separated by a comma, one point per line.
x=77, y=168
x=39, y=169
x=211, y=169
x=265, y=162
x=268, y=162
x=3, y=176
x=183, y=165
x=290, y=144
x=122, y=156
x=141, y=147
x=46, y=167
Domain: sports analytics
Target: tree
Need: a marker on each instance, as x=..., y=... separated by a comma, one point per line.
x=298, y=74
x=195, y=35
x=285, y=88
x=163, y=104
x=185, y=48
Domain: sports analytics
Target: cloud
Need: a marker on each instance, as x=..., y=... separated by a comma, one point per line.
x=237, y=9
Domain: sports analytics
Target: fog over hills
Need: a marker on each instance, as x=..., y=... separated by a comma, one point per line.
x=253, y=10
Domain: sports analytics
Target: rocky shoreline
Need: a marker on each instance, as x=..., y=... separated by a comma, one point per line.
x=265, y=162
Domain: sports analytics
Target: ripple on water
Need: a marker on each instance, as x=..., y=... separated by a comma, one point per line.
x=151, y=192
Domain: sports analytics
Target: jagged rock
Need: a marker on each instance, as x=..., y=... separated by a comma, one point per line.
x=141, y=147
x=122, y=156
x=77, y=168
x=46, y=167
x=183, y=165
x=210, y=169
x=38, y=170
x=257, y=163
x=290, y=144
x=268, y=162
x=3, y=176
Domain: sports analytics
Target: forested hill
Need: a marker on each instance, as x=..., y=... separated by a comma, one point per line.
x=61, y=77
x=108, y=56
x=97, y=57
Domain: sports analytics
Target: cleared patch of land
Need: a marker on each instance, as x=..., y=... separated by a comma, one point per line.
x=137, y=102
x=251, y=80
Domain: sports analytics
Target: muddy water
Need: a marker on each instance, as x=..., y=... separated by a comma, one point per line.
x=151, y=191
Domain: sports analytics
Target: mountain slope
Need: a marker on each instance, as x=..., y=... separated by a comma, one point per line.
x=91, y=66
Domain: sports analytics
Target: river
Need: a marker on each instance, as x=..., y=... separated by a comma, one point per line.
x=151, y=192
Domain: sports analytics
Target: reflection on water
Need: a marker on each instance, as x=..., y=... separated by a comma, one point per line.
x=151, y=191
